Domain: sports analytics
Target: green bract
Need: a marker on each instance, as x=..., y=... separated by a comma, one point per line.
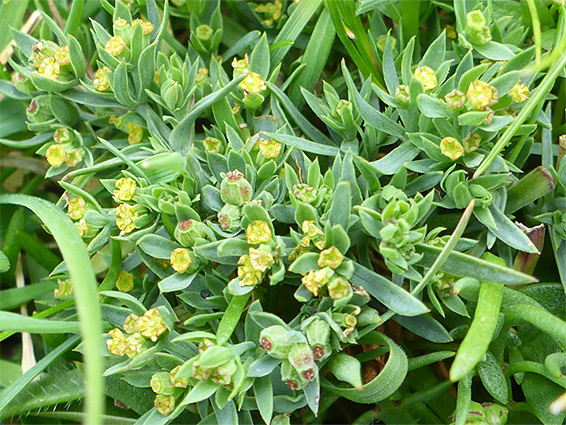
x=279, y=206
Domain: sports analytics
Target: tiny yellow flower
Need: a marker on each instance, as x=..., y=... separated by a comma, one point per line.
x=164, y=404
x=117, y=342
x=261, y=259
x=269, y=148
x=330, y=257
x=62, y=56
x=125, y=283
x=126, y=188
x=312, y=231
x=314, y=280
x=73, y=158
x=212, y=144
x=101, y=82
x=426, y=76
x=56, y=155
x=258, y=232
x=65, y=288
x=519, y=92
x=201, y=75
x=471, y=142
x=240, y=66
x=451, y=148
x=204, y=32
x=62, y=135
x=133, y=345
x=147, y=27
x=48, y=68
x=481, y=94
x=115, y=45
x=180, y=260
x=82, y=227
x=77, y=208
x=135, y=134
x=132, y=324
x=125, y=216
x=339, y=288
x=253, y=83
x=247, y=274
x=152, y=324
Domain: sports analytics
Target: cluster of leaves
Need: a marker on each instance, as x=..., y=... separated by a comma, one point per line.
x=277, y=229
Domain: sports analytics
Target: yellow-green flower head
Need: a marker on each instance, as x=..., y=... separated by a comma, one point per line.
x=152, y=324
x=247, y=273
x=258, y=231
x=204, y=32
x=134, y=345
x=135, y=134
x=125, y=189
x=450, y=31
x=402, y=93
x=477, y=29
x=77, y=208
x=312, y=231
x=426, y=77
x=180, y=260
x=101, y=82
x=125, y=216
x=261, y=259
x=272, y=10
x=471, y=142
x=48, y=68
x=117, y=343
x=115, y=46
x=519, y=92
x=330, y=257
x=305, y=193
x=73, y=157
x=481, y=94
x=161, y=383
x=132, y=324
x=56, y=155
x=65, y=288
x=82, y=227
x=62, y=135
x=164, y=404
x=125, y=282
x=178, y=382
x=201, y=75
x=212, y=144
x=451, y=148
x=147, y=27
x=314, y=280
x=253, y=83
x=339, y=288
x=62, y=56
x=240, y=66
x=269, y=148
x=455, y=99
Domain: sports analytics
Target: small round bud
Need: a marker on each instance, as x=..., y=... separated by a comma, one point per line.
x=188, y=231
x=304, y=193
x=115, y=46
x=476, y=27
x=519, y=93
x=132, y=324
x=161, y=383
x=451, y=148
x=212, y=144
x=229, y=218
x=177, y=381
x=261, y=258
x=125, y=189
x=235, y=189
x=62, y=135
x=62, y=56
x=147, y=27
x=101, y=82
x=222, y=374
x=65, y=288
x=269, y=148
x=247, y=273
x=314, y=280
x=426, y=77
x=455, y=99
x=339, y=288
x=152, y=325
x=253, y=83
x=135, y=134
x=48, y=68
x=240, y=66
x=330, y=257
x=204, y=32
x=471, y=142
x=402, y=93
x=125, y=282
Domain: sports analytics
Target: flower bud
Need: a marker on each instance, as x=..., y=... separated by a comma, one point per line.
x=125, y=282
x=147, y=27
x=235, y=189
x=291, y=377
x=312, y=232
x=330, y=257
x=481, y=94
x=180, y=260
x=258, y=232
x=253, y=83
x=455, y=99
x=402, y=93
x=161, y=383
x=229, y=218
x=339, y=288
x=269, y=148
x=222, y=374
x=125, y=189
x=204, y=32
x=519, y=93
x=471, y=142
x=444, y=284
x=178, y=381
x=212, y=144
x=476, y=27
x=115, y=45
x=23, y=84
x=301, y=358
x=65, y=288
x=275, y=342
x=123, y=29
x=426, y=77
x=318, y=335
x=240, y=66
x=314, y=280
x=101, y=82
x=39, y=110
x=304, y=193
x=152, y=325
x=77, y=208
x=451, y=148
x=125, y=216
x=188, y=231
x=56, y=155
x=164, y=404
x=62, y=135
x=172, y=94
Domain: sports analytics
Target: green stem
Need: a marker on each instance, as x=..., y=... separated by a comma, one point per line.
x=537, y=35
x=75, y=15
